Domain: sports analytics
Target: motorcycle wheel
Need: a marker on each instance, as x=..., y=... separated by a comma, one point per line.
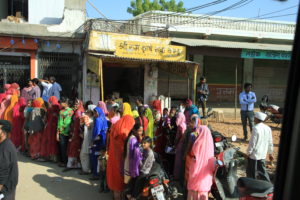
x=216, y=195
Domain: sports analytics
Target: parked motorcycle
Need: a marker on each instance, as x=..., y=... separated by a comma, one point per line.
x=274, y=112
x=225, y=177
x=157, y=184
x=252, y=189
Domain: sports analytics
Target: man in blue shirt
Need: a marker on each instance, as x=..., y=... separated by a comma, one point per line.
x=55, y=89
x=247, y=100
x=202, y=94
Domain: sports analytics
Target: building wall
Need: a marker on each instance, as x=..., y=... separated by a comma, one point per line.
x=150, y=82
x=45, y=12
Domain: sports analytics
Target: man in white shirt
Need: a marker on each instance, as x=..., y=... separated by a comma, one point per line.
x=46, y=88
x=261, y=144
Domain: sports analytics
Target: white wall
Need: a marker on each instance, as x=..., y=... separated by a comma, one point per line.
x=45, y=11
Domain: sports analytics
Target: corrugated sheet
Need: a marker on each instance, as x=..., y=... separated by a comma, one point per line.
x=233, y=45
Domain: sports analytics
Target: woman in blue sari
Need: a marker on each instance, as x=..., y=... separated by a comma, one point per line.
x=190, y=109
x=98, y=139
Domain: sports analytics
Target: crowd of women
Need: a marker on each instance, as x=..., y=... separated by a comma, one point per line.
x=113, y=142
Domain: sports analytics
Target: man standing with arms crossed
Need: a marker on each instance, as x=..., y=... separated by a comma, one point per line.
x=261, y=144
x=247, y=100
x=8, y=163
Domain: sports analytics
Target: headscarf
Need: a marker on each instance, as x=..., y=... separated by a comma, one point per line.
x=127, y=109
x=135, y=114
x=7, y=86
x=202, y=168
x=4, y=104
x=181, y=121
x=19, y=107
x=15, y=86
x=8, y=114
x=100, y=127
x=39, y=103
x=91, y=107
x=102, y=105
x=80, y=108
x=2, y=96
x=53, y=100
x=157, y=106
x=150, y=128
x=189, y=102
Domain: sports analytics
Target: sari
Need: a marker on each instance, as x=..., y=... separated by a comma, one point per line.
x=36, y=127
x=50, y=145
x=17, y=133
x=98, y=138
x=102, y=105
x=8, y=114
x=181, y=128
x=150, y=128
x=25, y=93
x=132, y=160
x=4, y=104
x=117, y=137
x=15, y=89
x=157, y=106
x=2, y=96
x=200, y=164
x=74, y=145
x=127, y=109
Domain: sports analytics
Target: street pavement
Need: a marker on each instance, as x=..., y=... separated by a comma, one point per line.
x=46, y=181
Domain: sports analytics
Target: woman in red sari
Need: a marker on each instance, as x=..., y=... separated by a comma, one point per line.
x=36, y=125
x=17, y=134
x=4, y=104
x=49, y=142
x=75, y=139
x=117, y=137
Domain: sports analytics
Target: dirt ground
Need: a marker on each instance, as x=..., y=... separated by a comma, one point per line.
x=233, y=126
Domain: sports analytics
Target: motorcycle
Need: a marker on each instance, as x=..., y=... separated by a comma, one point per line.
x=273, y=112
x=225, y=177
x=220, y=141
x=252, y=189
x=157, y=184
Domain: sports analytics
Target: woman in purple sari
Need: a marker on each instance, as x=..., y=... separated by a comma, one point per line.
x=132, y=153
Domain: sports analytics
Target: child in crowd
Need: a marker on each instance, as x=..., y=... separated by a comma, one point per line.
x=102, y=161
x=145, y=166
x=27, y=112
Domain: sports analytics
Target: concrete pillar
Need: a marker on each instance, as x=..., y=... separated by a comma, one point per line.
x=248, y=71
x=199, y=59
x=150, y=82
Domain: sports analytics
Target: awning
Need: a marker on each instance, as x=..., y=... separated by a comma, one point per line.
x=112, y=57
x=233, y=45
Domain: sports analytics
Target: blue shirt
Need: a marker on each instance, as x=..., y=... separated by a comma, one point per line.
x=55, y=91
x=46, y=91
x=247, y=101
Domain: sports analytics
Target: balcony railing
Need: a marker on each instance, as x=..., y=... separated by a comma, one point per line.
x=179, y=20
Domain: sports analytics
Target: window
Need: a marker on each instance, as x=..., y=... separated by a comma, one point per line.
x=14, y=10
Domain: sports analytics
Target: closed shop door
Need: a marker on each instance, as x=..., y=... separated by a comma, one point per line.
x=270, y=78
x=221, y=75
x=64, y=67
x=14, y=69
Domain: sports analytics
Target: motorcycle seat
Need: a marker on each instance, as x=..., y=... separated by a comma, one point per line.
x=255, y=188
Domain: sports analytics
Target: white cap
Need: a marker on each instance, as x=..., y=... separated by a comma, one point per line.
x=261, y=116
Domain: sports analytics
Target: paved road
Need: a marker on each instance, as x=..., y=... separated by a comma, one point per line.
x=46, y=181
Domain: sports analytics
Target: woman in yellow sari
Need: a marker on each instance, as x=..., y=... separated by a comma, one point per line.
x=150, y=129
x=127, y=109
x=8, y=114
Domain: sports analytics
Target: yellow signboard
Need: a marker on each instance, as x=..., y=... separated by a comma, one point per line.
x=93, y=64
x=104, y=41
x=142, y=50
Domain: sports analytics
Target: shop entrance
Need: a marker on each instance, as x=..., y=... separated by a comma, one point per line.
x=126, y=81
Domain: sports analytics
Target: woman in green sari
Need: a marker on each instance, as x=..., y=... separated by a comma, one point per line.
x=150, y=129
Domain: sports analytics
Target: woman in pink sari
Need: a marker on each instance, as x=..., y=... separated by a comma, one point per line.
x=200, y=163
x=17, y=134
x=181, y=128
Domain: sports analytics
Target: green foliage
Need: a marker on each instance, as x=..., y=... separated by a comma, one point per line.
x=140, y=6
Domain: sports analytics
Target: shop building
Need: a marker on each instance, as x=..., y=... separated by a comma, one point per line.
x=230, y=51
